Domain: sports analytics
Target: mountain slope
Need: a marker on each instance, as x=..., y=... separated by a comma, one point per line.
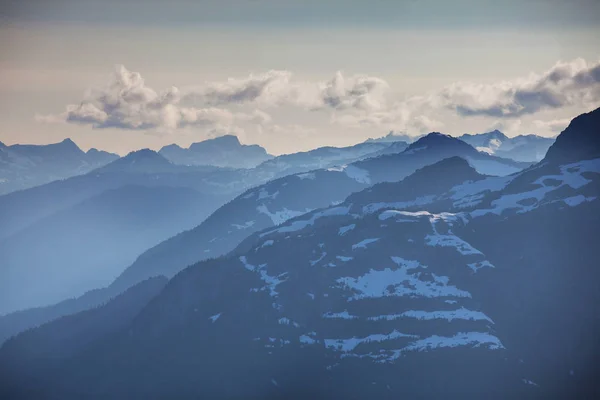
x=143, y=168
x=86, y=328
x=24, y=166
x=281, y=199
x=481, y=300
x=88, y=245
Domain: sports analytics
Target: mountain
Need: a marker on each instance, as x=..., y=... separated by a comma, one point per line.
x=143, y=168
x=265, y=206
x=527, y=148
x=87, y=327
x=86, y=246
x=326, y=157
x=394, y=137
x=487, y=289
x=25, y=166
x=579, y=141
x=223, y=151
x=276, y=201
x=142, y=161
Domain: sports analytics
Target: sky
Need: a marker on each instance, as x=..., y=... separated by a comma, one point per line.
x=291, y=75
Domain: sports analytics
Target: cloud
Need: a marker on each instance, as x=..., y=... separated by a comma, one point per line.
x=127, y=103
x=565, y=84
x=358, y=92
x=268, y=88
x=354, y=101
x=557, y=125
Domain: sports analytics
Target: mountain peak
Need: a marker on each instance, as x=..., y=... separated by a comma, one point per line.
x=66, y=145
x=579, y=141
x=225, y=141
x=223, y=151
x=393, y=136
x=439, y=140
x=144, y=160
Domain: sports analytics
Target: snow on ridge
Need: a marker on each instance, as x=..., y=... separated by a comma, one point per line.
x=570, y=175
x=215, y=317
x=344, y=259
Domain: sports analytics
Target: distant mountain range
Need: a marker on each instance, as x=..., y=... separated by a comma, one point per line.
x=519, y=148
x=24, y=166
x=273, y=203
x=223, y=151
x=394, y=137
x=447, y=281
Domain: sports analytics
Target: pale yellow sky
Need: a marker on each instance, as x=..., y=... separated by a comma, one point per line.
x=46, y=65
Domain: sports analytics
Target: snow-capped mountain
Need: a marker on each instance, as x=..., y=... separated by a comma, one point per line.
x=266, y=206
x=25, y=166
x=277, y=201
x=223, y=151
x=479, y=286
x=528, y=148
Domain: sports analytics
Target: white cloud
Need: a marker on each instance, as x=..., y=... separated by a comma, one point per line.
x=358, y=92
x=359, y=102
x=556, y=125
x=565, y=84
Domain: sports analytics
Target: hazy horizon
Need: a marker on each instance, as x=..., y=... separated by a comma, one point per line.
x=290, y=78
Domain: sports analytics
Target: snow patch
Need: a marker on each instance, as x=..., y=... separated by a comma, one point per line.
x=345, y=229
x=462, y=314
x=350, y=344
x=363, y=244
x=399, y=282
x=246, y=225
